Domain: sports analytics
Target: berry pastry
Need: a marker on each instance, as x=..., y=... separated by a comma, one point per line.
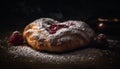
x=46, y=34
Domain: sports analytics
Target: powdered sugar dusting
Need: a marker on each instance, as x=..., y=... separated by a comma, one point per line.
x=74, y=27
x=76, y=57
x=30, y=31
x=66, y=38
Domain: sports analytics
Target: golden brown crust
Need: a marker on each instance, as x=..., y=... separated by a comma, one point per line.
x=39, y=39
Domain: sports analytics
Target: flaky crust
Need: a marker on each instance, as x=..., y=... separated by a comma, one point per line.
x=65, y=39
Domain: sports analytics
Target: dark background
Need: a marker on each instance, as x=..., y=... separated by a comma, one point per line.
x=67, y=8
x=16, y=14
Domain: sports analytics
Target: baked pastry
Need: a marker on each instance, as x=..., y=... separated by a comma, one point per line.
x=50, y=35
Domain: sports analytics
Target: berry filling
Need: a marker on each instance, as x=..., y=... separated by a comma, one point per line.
x=55, y=27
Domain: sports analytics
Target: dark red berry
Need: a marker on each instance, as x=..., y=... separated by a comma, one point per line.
x=101, y=38
x=16, y=38
x=100, y=41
